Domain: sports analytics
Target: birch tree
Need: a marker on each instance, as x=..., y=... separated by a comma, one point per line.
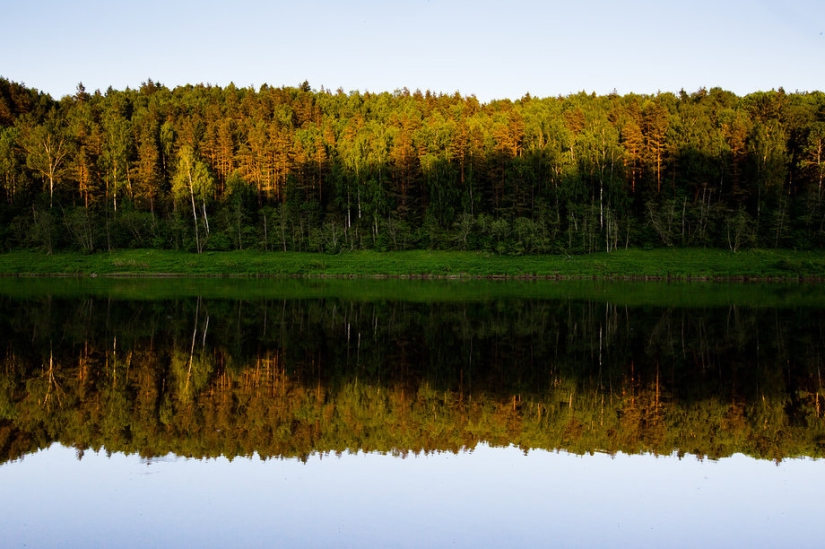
x=46, y=148
x=193, y=183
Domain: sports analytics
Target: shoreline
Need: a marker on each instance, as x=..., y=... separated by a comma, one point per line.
x=744, y=279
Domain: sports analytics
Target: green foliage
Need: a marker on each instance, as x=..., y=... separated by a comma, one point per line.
x=82, y=226
x=290, y=169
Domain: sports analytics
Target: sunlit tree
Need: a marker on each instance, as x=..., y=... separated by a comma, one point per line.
x=194, y=183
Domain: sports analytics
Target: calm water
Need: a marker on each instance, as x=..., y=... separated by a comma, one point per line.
x=409, y=413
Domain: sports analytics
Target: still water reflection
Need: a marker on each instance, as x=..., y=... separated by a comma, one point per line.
x=332, y=383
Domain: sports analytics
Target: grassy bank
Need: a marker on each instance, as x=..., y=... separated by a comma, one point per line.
x=661, y=264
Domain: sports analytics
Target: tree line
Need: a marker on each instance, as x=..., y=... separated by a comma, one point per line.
x=202, y=167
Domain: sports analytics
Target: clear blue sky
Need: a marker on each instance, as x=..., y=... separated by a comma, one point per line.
x=492, y=49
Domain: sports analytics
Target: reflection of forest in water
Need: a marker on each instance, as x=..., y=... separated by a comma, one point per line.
x=285, y=378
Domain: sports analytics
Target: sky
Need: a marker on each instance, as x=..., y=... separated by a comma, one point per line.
x=490, y=49
x=491, y=497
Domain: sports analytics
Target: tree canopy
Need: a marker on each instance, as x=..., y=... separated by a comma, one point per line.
x=291, y=168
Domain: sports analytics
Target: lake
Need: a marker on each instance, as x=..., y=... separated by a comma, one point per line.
x=330, y=413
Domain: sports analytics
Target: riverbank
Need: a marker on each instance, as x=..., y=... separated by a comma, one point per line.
x=659, y=264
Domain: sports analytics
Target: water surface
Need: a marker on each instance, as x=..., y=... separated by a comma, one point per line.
x=335, y=413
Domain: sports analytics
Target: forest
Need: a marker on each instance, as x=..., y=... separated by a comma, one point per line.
x=205, y=168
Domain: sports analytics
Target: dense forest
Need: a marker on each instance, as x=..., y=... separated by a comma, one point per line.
x=209, y=168
x=286, y=378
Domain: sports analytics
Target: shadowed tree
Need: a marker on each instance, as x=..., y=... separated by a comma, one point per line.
x=10, y=163
x=767, y=148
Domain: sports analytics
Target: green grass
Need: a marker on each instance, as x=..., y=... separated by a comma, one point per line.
x=661, y=263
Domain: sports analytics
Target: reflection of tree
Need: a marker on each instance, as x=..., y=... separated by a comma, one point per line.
x=52, y=386
x=192, y=370
x=336, y=375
